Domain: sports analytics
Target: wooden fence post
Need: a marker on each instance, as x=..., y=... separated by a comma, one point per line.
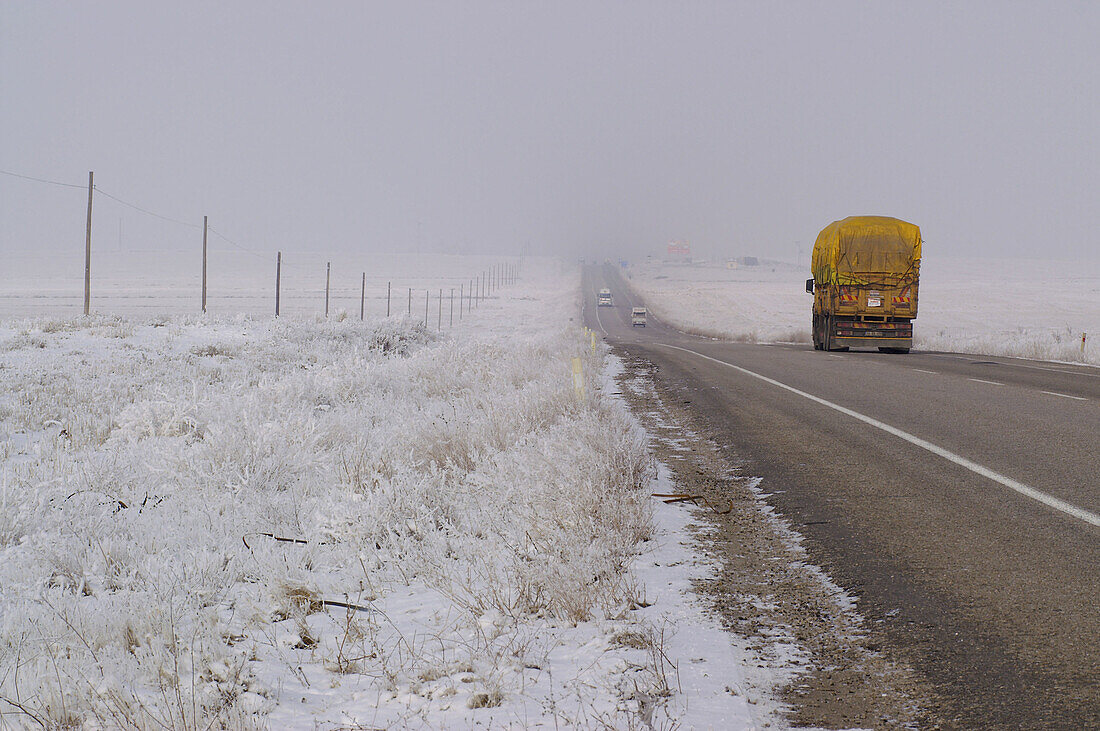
x=88, y=250
x=278, y=277
x=204, y=225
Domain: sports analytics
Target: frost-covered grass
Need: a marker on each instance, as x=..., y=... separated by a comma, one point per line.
x=233, y=522
x=1029, y=309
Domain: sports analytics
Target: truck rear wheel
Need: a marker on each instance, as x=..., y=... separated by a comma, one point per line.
x=828, y=336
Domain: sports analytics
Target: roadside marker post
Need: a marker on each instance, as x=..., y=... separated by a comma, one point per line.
x=578, y=379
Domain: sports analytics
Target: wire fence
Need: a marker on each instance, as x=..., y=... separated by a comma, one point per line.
x=209, y=270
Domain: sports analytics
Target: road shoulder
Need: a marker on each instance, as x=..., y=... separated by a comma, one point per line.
x=812, y=653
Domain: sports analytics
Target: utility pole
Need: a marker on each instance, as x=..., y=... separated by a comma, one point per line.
x=278, y=277
x=88, y=250
x=204, y=224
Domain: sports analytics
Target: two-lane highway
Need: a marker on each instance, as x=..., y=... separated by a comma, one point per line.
x=957, y=496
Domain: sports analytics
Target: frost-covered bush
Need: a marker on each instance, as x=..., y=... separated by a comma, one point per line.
x=194, y=509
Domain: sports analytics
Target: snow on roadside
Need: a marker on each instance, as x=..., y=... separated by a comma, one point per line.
x=1028, y=309
x=307, y=523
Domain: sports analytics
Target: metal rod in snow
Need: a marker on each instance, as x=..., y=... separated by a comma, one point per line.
x=88, y=250
x=410, y=312
x=328, y=276
x=453, y=310
x=278, y=277
x=363, y=298
x=204, y=225
x=439, y=321
x=461, y=294
x=388, y=287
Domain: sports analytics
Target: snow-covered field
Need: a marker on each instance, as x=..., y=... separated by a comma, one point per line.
x=1030, y=309
x=245, y=522
x=150, y=283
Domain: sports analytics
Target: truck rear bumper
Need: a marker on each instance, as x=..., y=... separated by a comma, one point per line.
x=873, y=342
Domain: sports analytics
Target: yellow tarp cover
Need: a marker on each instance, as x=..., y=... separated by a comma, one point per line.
x=866, y=250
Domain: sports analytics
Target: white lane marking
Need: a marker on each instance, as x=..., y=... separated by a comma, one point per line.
x=921, y=370
x=835, y=356
x=979, y=380
x=1065, y=395
x=1025, y=490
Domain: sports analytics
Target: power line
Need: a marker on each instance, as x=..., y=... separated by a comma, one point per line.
x=146, y=211
x=42, y=180
x=233, y=243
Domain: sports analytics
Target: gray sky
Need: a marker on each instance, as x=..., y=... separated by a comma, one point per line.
x=585, y=127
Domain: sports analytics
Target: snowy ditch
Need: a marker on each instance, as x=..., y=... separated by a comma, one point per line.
x=229, y=522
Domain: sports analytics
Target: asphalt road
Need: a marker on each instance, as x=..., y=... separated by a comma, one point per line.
x=957, y=496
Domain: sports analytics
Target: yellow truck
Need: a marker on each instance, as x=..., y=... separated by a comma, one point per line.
x=865, y=284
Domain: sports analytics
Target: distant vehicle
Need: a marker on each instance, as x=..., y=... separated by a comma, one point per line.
x=866, y=270
x=637, y=317
x=603, y=298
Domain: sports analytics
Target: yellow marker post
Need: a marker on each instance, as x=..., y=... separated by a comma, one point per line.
x=593, y=341
x=578, y=379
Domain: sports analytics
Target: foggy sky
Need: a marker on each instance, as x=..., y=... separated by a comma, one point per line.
x=581, y=128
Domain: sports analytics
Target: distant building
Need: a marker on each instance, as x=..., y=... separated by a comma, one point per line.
x=680, y=250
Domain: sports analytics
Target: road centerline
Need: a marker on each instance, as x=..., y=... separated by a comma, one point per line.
x=982, y=380
x=1019, y=487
